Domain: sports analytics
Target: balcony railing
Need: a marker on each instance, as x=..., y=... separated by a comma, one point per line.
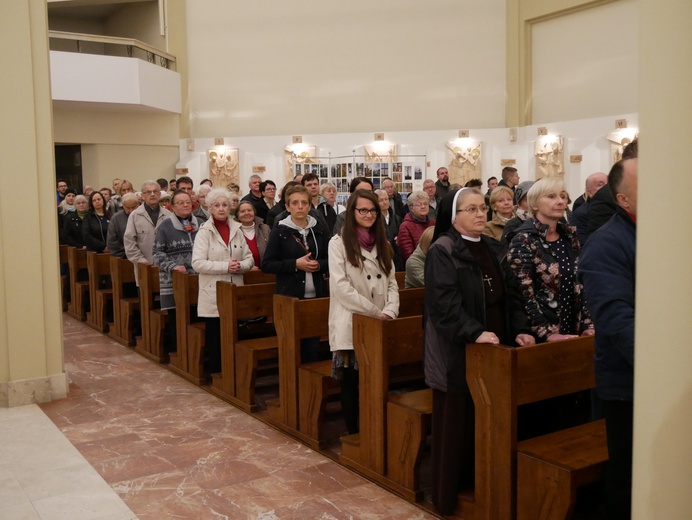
x=133, y=48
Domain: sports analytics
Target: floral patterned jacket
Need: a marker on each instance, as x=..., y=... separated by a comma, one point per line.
x=538, y=274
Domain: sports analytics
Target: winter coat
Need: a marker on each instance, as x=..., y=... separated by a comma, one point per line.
x=409, y=234
x=73, y=230
x=262, y=232
x=538, y=274
x=607, y=268
x=495, y=227
x=173, y=247
x=116, y=231
x=95, y=231
x=210, y=258
x=139, y=235
x=415, y=269
x=367, y=290
x=285, y=247
x=455, y=308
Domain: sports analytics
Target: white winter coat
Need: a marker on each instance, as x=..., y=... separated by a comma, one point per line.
x=210, y=257
x=354, y=290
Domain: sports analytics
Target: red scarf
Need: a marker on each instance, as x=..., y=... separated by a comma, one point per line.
x=366, y=239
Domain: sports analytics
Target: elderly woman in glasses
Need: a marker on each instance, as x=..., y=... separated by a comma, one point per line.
x=468, y=299
x=361, y=280
x=415, y=222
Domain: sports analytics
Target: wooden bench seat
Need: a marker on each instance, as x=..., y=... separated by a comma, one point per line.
x=551, y=468
x=409, y=422
x=100, y=290
x=125, y=302
x=381, y=345
x=241, y=355
x=153, y=320
x=79, y=283
x=501, y=379
x=188, y=358
x=296, y=320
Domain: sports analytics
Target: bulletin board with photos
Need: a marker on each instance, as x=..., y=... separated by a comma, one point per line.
x=407, y=173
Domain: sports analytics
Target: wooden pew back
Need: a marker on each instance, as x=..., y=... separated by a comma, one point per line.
x=149, y=344
x=79, y=285
x=235, y=303
x=122, y=276
x=99, y=268
x=380, y=345
x=500, y=378
x=185, y=293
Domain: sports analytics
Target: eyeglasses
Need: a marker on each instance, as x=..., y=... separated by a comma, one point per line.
x=183, y=203
x=420, y=204
x=474, y=209
x=365, y=211
x=269, y=188
x=150, y=192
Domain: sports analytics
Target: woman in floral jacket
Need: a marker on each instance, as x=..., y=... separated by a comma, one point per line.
x=543, y=255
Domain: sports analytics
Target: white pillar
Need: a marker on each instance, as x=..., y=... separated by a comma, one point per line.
x=662, y=487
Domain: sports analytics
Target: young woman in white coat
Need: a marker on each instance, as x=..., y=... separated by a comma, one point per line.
x=361, y=280
x=220, y=254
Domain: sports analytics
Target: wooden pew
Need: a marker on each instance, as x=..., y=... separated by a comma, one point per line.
x=256, y=277
x=64, y=278
x=79, y=283
x=400, y=279
x=125, y=302
x=240, y=357
x=188, y=359
x=546, y=470
x=100, y=290
x=295, y=320
x=382, y=345
x=305, y=388
x=153, y=319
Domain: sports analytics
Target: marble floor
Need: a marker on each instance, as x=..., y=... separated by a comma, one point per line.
x=166, y=449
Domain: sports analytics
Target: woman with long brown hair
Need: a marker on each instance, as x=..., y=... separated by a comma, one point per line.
x=361, y=280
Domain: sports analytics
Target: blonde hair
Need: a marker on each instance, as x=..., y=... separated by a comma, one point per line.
x=426, y=239
x=498, y=192
x=542, y=187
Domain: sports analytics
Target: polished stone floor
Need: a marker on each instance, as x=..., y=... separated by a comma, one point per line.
x=169, y=450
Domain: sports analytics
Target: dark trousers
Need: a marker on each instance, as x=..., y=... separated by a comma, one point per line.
x=212, y=345
x=618, y=499
x=350, y=399
x=452, y=458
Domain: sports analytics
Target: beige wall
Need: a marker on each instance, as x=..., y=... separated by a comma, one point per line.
x=663, y=375
x=136, y=146
x=101, y=163
x=31, y=356
x=586, y=64
x=308, y=66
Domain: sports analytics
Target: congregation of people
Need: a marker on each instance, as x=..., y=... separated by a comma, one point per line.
x=506, y=264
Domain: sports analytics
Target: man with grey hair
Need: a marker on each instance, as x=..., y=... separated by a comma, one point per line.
x=394, y=198
x=255, y=194
x=142, y=225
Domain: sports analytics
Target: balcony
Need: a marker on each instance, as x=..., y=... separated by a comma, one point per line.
x=140, y=79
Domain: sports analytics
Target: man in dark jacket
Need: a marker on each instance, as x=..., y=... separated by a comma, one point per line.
x=607, y=270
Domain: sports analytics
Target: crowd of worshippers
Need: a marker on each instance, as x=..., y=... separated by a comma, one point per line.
x=499, y=264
